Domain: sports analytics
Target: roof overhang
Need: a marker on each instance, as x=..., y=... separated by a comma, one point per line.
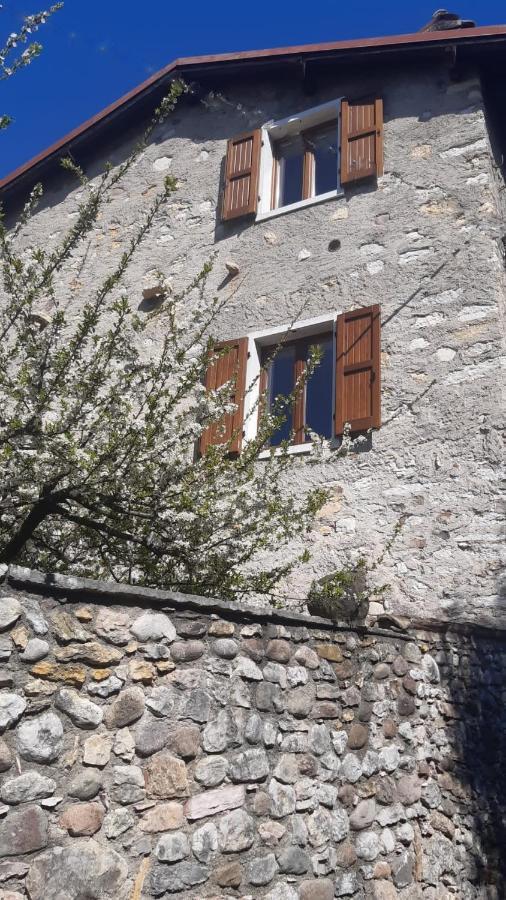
x=471, y=43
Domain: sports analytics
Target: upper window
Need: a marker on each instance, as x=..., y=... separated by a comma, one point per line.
x=305, y=166
x=303, y=159
x=299, y=160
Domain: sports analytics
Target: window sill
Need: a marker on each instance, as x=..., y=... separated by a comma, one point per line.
x=311, y=201
x=294, y=450
x=331, y=444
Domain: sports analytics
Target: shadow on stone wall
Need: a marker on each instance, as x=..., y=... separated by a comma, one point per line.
x=476, y=670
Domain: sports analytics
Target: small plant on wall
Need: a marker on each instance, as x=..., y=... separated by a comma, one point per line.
x=344, y=595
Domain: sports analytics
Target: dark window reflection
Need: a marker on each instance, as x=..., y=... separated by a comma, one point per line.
x=318, y=399
x=281, y=384
x=319, y=391
x=324, y=147
x=306, y=165
x=291, y=170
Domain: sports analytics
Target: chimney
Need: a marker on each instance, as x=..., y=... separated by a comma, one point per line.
x=442, y=20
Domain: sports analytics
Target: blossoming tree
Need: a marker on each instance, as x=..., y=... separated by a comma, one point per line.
x=98, y=470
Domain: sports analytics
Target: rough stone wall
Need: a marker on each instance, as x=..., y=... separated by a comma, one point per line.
x=424, y=242
x=161, y=746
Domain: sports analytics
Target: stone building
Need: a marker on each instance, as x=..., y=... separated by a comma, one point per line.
x=357, y=189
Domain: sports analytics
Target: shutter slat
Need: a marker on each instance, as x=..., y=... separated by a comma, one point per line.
x=358, y=385
x=359, y=366
x=242, y=167
x=230, y=366
x=361, y=154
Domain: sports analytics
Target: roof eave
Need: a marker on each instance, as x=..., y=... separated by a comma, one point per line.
x=190, y=66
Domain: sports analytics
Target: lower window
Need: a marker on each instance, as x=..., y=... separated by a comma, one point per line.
x=313, y=408
x=342, y=395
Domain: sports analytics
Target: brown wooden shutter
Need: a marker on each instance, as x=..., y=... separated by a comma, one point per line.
x=241, y=175
x=361, y=153
x=230, y=366
x=358, y=384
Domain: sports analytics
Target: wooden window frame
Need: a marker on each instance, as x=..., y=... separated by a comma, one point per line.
x=236, y=371
x=308, y=168
x=372, y=364
x=248, y=174
x=321, y=117
x=301, y=345
x=373, y=130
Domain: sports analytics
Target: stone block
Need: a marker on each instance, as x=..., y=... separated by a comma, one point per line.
x=127, y=708
x=236, y=831
x=153, y=627
x=23, y=831
x=80, y=711
x=165, y=777
x=97, y=750
x=85, y=869
x=82, y=819
x=210, y=803
x=27, y=787
x=316, y=889
x=59, y=673
x=330, y=652
x=10, y=611
x=41, y=739
x=229, y=875
x=162, y=817
x=93, y=653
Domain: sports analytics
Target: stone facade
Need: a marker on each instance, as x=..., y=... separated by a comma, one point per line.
x=155, y=745
x=424, y=242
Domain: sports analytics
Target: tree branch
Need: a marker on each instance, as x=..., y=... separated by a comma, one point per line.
x=44, y=507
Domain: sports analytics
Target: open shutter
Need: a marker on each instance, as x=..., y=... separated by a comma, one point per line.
x=241, y=175
x=361, y=140
x=358, y=384
x=230, y=366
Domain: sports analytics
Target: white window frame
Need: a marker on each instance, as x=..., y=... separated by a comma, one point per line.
x=270, y=337
x=282, y=128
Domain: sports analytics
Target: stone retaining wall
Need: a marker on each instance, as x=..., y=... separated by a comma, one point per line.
x=161, y=746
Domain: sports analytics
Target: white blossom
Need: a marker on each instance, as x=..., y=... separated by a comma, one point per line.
x=102, y=407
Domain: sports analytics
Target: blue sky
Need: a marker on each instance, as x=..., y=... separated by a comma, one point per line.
x=96, y=50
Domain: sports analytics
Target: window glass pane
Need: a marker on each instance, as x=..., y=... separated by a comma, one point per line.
x=281, y=383
x=319, y=390
x=290, y=155
x=324, y=147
